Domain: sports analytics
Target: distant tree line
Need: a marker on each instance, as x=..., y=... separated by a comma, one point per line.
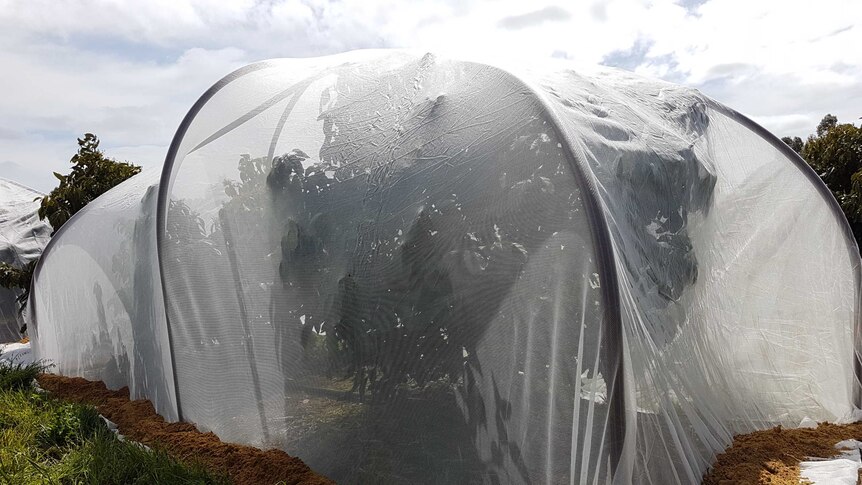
x=92, y=175
x=835, y=153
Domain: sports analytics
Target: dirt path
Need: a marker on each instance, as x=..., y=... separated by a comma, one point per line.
x=138, y=421
x=772, y=456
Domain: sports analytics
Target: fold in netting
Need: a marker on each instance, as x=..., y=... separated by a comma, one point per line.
x=414, y=269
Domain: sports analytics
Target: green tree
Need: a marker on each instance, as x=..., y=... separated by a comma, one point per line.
x=92, y=175
x=827, y=123
x=835, y=153
x=795, y=143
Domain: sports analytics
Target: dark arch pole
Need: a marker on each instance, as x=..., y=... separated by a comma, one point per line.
x=612, y=324
x=164, y=194
x=294, y=91
x=823, y=190
x=612, y=328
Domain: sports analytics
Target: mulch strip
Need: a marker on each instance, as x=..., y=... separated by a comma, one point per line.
x=772, y=456
x=769, y=457
x=138, y=421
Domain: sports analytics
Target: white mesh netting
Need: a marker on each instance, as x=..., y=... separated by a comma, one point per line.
x=420, y=270
x=22, y=238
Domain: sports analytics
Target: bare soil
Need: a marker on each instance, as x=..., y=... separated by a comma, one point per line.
x=138, y=421
x=772, y=456
x=764, y=457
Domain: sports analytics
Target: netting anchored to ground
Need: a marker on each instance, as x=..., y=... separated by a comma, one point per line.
x=424, y=270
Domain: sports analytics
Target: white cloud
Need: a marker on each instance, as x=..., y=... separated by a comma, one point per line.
x=774, y=60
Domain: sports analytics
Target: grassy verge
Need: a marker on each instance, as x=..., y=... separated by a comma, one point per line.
x=45, y=440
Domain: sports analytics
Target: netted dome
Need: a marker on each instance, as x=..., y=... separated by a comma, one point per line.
x=416, y=269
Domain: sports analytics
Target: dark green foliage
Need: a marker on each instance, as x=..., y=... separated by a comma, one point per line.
x=795, y=143
x=185, y=226
x=16, y=376
x=70, y=424
x=92, y=175
x=835, y=153
x=827, y=123
x=837, y=157
x=45, y=440
x=248, y=195
x=12, y=277
x=18, y=279
x=105, y=460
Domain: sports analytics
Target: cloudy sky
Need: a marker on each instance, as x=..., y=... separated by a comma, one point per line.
x=128, y=71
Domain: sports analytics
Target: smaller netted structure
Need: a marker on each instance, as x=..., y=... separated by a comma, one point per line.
x=405, y=268
x=22, y=238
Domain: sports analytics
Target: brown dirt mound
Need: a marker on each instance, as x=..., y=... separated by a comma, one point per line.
x=772, y=456
x=138, y=421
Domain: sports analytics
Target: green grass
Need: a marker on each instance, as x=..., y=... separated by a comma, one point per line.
x=45, y=440
x=17, y=376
